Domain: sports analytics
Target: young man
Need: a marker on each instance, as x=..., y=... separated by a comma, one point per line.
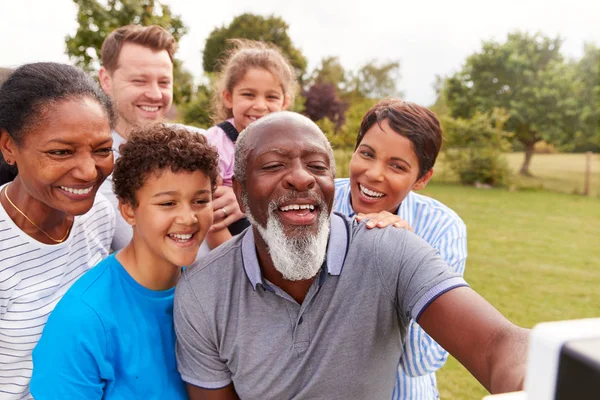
x=312, y=305
x=395, y=151
x=137, y=73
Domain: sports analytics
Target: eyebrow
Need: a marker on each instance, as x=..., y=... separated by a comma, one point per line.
x=391, y=158
x=70, y=143
x=277, y=150
x=174, y=192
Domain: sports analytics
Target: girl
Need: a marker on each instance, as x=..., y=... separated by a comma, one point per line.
x=55, y=125
x=111, y=336
x=256, y=79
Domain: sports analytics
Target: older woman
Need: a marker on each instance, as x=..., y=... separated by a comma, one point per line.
x=55, y=128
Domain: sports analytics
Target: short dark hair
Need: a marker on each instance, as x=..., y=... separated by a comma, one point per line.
x=32, y=90
x=155, y=147
x=416, y=123
x=153, y=36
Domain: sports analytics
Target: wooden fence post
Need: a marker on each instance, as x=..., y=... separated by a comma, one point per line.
x=588, y=162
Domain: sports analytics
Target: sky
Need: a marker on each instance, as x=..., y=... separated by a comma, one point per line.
x=428, y=38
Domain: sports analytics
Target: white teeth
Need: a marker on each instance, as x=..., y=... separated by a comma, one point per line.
x=297, y=207
x=181, y=236
x=369, y=192
x=77, y=191
x=149, y=109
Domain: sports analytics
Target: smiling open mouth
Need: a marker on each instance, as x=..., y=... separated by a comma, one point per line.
x=83, y=191
x=298, y=214
x=181, y=237
x=370, y=193
x=150, y=108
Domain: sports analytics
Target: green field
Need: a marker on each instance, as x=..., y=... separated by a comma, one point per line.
x=532, y=253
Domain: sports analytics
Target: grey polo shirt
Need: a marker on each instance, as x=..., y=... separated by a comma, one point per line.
x=344, y=341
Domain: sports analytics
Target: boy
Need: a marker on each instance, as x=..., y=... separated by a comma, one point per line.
x=112, y=335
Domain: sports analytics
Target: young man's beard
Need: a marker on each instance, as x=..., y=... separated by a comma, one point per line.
x=296, y=258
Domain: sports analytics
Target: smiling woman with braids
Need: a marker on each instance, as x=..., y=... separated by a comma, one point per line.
x=55, y=133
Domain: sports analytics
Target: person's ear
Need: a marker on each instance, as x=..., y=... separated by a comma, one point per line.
x=227, y=99
x=286, y=102
x=105, y=80
x=127, y=212
x=8, y=147
x=422, y=182
x=237, y=189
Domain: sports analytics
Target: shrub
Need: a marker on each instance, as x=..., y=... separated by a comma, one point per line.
x=473, y=148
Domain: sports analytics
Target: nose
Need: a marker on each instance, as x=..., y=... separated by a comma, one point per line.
x=153, y=92
x=260, y=103
x=86, y=169
x=186, y=215
x=375, y=172
x=299, y=178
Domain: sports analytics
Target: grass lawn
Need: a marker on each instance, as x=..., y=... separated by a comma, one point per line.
x=533, y=254
x=558, y=172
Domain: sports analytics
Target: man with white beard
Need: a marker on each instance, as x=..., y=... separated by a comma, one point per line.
x=306, y=305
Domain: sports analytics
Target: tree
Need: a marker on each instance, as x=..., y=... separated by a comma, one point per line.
x=527, y=77
x=270, y=29
x=377, y=80
x=588, y=73
x=322, y=102
x=331, y=71
x=96, y=19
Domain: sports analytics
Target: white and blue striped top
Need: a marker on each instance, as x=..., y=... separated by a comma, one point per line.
x=443, y=229
x=33, y=278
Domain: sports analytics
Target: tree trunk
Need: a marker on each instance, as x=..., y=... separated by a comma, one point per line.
x=528, y=154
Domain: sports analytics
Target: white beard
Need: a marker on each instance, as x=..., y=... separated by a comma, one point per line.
x=297, y=258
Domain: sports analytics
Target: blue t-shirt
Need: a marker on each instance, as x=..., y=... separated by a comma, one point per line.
x=108, y=338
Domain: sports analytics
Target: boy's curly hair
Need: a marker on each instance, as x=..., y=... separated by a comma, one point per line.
x=155, y=147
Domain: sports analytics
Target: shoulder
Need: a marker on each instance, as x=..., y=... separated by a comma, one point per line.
x=99, y=222
x=82, y=299
x=219, y=264
x=429, y=213
x=341, y=201
x=101, y=210
x=342, y=183
x=94, y=283
x=215, y=132
x=101, y=206
x=192, y=129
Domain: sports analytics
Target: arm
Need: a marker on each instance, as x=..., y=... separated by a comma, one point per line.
x=226, y=393
x=491, y=347
x=69, y=356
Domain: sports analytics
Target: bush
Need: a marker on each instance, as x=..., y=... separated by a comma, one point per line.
x=544, y=147
x=197, y=111
x=473, y=148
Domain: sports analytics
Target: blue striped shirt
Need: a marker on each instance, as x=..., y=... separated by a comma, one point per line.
x=443, y=229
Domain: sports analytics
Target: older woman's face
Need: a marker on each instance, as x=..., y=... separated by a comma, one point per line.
x=64, y=159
